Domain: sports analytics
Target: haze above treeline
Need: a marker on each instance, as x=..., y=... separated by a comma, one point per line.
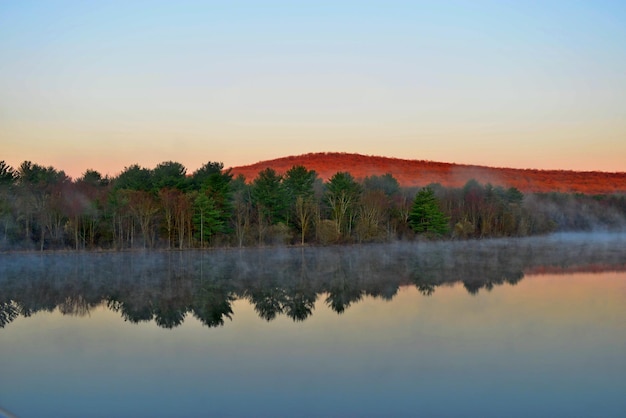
x=166, y=207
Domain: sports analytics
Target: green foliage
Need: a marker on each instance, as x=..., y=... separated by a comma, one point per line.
x=426, y=216
x=514, y=196
x=298, y=182
x=299, y=189
x=343, y=183
x=270, y=196
x=211, y=172
x=238, y=183
x=215, y=182
x=30, y=174
x=40, y=207
x=207, y=218
x=134, y=178
x=93, y=178
x=7, y=174
x=169, y=175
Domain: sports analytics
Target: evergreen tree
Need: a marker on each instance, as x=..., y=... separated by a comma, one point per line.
x=215, y=182
x=207, y=218
x=134, y=178
x=270, y=196
x=298, y=183
x=426, y=216
x=93, y=178
x=7, y=174
x=8, y=177
x=170, y=175
x=211, y=175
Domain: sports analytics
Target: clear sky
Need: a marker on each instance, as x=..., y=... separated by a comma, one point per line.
x=105, y=84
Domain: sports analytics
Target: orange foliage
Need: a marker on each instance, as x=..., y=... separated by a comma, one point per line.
x=417, y=173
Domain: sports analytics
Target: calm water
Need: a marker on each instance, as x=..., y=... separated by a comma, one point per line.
x=530, y=327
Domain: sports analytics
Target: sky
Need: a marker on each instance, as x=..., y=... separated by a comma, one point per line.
x=104, y=85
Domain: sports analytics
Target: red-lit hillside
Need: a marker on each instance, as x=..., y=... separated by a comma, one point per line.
x=421, y=173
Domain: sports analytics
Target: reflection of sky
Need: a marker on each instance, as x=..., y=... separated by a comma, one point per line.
x=549, y=346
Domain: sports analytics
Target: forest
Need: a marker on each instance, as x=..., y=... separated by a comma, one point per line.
x=41, y=208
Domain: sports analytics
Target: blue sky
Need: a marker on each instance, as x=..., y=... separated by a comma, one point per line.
x=107, y=84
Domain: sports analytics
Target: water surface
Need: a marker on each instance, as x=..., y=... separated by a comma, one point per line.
x=529, y=327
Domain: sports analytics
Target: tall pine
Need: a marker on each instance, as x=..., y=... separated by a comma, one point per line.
x=426, y=217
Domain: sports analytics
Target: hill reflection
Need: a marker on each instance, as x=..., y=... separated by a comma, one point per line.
x=165, y=287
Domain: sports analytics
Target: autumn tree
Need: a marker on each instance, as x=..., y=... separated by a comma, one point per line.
x=178, y=210
x=373, y=215
x=85, y=201
x=380, y=202
x=168, y=198
x=473, y=195
x=242, y=209
x=144, y=207
x=133, y=202
x=342, y=195
x=183, y=218
x=169, y=180
x=39, y=200
x=386, y=183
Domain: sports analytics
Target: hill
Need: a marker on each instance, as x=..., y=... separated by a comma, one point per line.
x=417, y=173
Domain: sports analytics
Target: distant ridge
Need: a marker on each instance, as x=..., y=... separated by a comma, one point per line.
x=418, y=173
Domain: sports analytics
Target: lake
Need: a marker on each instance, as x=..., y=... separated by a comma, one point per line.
x=486, y=328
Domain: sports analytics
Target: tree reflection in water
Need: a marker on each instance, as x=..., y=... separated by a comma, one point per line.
x=167, y=286
x=8, y=312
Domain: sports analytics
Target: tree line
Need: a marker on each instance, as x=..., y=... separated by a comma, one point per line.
x=166, y=207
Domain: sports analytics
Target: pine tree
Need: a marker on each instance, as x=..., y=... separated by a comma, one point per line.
x=207, y=218
x=426, y=216
x=270, y=196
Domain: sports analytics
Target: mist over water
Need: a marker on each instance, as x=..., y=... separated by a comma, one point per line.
x=478, y=328
x=168, y=286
